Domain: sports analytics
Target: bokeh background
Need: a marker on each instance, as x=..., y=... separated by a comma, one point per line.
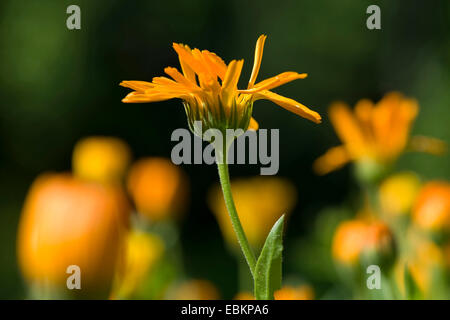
x=58, y=85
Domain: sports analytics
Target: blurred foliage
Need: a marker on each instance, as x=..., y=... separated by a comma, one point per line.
x=57, y=86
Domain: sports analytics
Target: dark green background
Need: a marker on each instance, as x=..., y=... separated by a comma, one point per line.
x=57, y=86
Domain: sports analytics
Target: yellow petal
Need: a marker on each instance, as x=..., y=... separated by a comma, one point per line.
x=276, y=81
x=253, y=125
x=290, y=105
x=257, y=61
x=348, y=129
x=136, y=97
x=137, y=85
x=229, y=84
x=333, y=159
x=178, y=77
x=215, y=63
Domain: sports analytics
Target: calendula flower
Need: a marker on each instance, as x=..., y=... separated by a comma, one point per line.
x=143, y=250
x=398, y=193
x=260, y=201
x=67, y=221
x=208, y=89
x=158, y=188
x=303, y=292
x=432, y=207
x=357, y=238
x=101, y=159
x=374, y=135
x=195, y=289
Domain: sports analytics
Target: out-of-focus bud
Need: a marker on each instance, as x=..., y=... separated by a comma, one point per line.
x=66, y=221
x=196, y=289
x=358, y=241
x=101, y=159
x=398, y=192
x=379, y=247
x=348, y=241
x=143, y=251
x=431, y=210
x=159, y=188
x=303, y=292
x=260, y=201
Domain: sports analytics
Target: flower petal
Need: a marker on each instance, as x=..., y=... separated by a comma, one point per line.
x=290, y=105
x=257, y=60
x=348, y=129
x=333, y=159
x=276, y=81
x=253, y=125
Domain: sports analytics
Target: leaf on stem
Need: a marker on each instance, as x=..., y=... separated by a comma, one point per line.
x=268, y=267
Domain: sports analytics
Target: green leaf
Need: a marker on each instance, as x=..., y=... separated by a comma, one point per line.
x=268, y=267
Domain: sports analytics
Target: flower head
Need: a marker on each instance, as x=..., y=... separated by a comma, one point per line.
x=208, y=89
x=67, y=221
x=398, y=193
x=374, y=134
x=260, y=201
x=302, y=292
x=357, y=240
x=101, y=159
x=158, y=188
x=195, y=289
x=432, y=207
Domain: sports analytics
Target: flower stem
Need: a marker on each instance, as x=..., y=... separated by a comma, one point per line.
x=226, y=189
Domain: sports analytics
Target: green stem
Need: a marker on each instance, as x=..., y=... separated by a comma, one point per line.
x=226, y=188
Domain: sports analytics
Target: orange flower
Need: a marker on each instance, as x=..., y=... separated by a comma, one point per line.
x=355, y=238
x=373, y=133
x=196, y=289
x=158, y=187
x=303, y=292
x=66, y=222
x=432, y=208
x=208, y=88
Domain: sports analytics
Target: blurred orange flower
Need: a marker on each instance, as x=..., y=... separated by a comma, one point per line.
x=159, y=188
x=196, y=289
x=66, y=221
x=432, y=207
x=260, y=201
x=101, y=159
x=374, y=134
x=356, y=237
x=303, y=292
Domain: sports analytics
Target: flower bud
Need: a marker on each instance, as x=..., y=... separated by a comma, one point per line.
x=358, y=241
x=303, y=292
x=65, y=222
x=431, y=210
x=101, y=159
x=196, y=289
x=398, y=192
x=158, y=188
